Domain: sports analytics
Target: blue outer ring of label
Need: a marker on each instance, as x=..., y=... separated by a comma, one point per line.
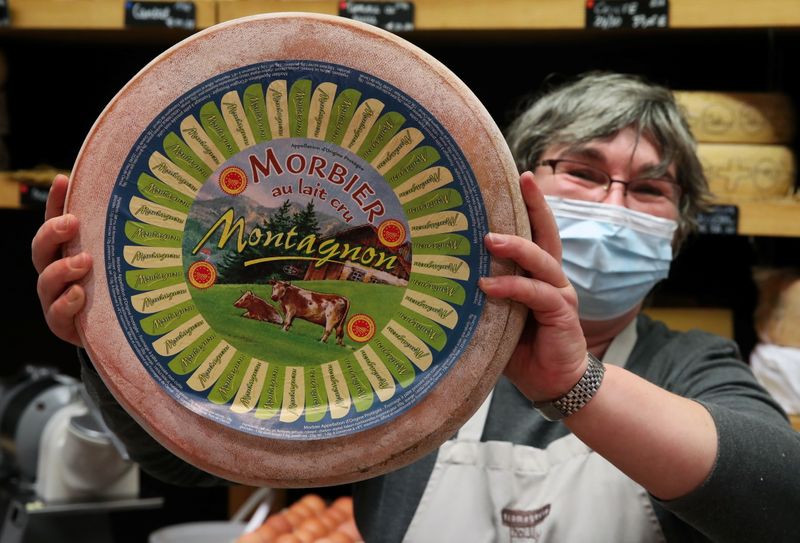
x=371, y=87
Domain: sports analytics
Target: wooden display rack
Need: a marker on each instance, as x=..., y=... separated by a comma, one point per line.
x=756, y=218
x=545, y=14
x=441, y=14
x=429, y=14
x=717, y=321
x=769, y=217
x=9, y=191
x=87, y=14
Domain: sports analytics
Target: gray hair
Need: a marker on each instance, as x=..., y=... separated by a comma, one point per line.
x=598, y=105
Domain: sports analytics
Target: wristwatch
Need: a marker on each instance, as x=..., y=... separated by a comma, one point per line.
x=581, y=393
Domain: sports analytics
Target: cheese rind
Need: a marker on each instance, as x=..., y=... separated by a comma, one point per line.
x=738, y=172
x=738, y=117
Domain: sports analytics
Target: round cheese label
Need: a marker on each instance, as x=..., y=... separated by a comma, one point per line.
x=293, y=249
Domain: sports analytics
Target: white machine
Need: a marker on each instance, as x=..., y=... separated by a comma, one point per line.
x=58, y=462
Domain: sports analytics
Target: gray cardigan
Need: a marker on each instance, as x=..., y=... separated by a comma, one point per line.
x=752, y=494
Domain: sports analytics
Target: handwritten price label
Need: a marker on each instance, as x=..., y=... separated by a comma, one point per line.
x=180, y=15
x=628, y=14
x=391, y=16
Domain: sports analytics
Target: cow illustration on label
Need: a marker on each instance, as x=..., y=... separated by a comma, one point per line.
x=327, y=310
x=257, y=308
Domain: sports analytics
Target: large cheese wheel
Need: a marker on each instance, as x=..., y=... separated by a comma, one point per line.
x=286, y=215
x=738, y=117
x=739, y=172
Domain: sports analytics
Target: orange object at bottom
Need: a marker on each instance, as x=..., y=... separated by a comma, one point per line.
x=309, y=520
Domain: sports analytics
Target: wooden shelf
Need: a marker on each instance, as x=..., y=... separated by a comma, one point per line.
x=769, y=217
x=545, y=14
x=9, y=192
x=87, y=14
x=734, y=13
x=429, y=14
x=441, y=14
x=34, y=184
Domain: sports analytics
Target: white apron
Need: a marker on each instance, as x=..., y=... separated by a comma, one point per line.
x=497, y=491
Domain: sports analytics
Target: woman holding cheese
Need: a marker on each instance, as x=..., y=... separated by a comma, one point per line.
x=607, y=426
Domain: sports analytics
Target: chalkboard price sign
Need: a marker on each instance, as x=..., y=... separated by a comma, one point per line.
x=391, y=16
x=33, y=195
x=180, y=15
x=628, y=14
x=4, y=21
x=719, y=220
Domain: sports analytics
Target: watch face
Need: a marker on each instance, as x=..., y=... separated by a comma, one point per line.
x=549, y=411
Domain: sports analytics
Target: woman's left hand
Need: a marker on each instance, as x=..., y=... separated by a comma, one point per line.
x=551, y=355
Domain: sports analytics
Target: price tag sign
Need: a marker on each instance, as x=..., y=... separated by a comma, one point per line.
x=33, y=195
x=721, y=220
x=181, y=15
x=628, y=14
x=4, y=20
x=391, y=16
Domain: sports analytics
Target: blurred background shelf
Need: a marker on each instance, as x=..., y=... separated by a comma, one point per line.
x=442, y=14
x=86, y=14
x=9, y=192
x=430, y=14
x=715, y=320
x=769, y=218
x=546, y=14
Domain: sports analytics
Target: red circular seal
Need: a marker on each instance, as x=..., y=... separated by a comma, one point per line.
x=233, y=180
x=202, y=274
x=361, y=328
x=392, y=233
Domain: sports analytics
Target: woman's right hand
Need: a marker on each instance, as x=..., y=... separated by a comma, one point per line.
x=60, y=295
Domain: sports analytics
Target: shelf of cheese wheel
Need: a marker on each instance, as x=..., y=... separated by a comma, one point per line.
x=744, y=145
x=774, y=359
x=286, y=212
x=777, y=316
x=739, y=117
x=759, y=180
x=309, y=520
x=745, y=172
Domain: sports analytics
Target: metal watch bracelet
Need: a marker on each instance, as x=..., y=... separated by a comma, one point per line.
x=578, y=396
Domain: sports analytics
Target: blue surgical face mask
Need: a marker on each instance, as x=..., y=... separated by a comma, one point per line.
x=612, y=255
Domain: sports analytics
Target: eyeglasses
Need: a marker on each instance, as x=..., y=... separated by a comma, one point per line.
x=595, y=183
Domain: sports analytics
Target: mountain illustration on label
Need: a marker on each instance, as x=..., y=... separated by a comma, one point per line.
x=294, y=248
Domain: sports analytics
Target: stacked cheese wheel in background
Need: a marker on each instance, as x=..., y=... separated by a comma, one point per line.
x=775, y=360
x=309, y=520
x=743, y=143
